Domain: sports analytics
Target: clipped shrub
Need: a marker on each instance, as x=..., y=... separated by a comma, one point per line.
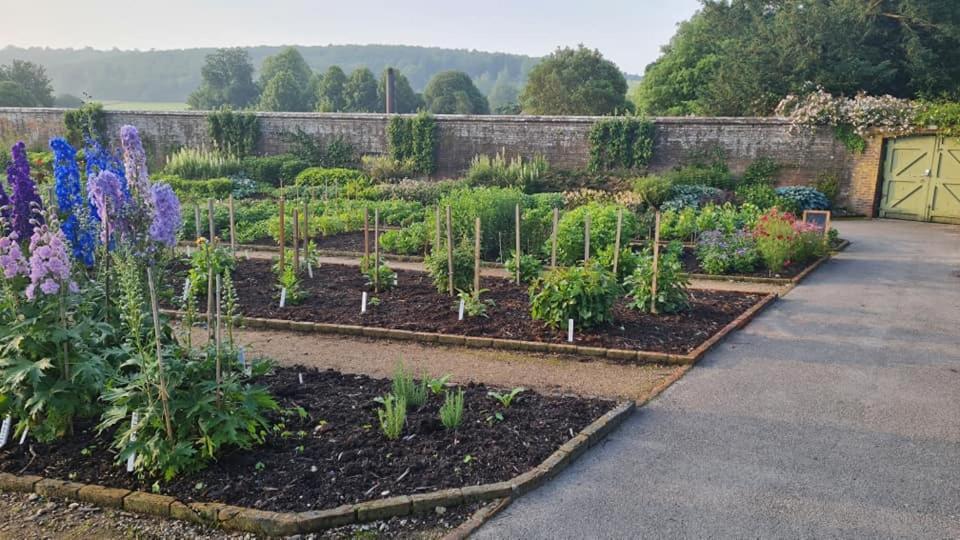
x=436, y=264
x=671, y=284
x=621, y=143
x=714, y=175
x=585, y=294
x=603, y=230
x=319, y=176
x=762, y=170
x=804, y=198
x=653, y=190
x=197, y=189
x=273, y=169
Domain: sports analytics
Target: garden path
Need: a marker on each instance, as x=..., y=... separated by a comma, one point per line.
x=833, y=414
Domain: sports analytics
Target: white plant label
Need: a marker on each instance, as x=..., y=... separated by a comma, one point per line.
x=460, y=313
x=134, y=420
x=186, y=290
x=189, y=252
x=570, y=330
x=396, y=281
x=310, y=270
x=23, y=438
x=363, y=303
x=247, y=254
x=5, y=431
x=300, y=376
x=247, y=367
x=283, y=297
x=241, y=358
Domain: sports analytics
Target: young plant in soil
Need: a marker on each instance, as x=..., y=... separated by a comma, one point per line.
x=451, y=412
x=473, y=305
x=413, y=394
x=672, y=295
x=506, y=398
x=392, y=416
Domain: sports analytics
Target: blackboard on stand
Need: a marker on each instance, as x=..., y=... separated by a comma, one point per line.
x=818, y=218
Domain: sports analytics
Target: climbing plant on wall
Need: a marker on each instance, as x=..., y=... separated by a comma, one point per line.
x=621, y=143
x=234, y=133
x=414, y=139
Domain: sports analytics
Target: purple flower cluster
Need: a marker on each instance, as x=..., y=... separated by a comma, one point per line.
x=107, y=197
x=25, y=201
x=100, y=159
x=166, y=217
x=11, y=257
x=135, y=163
x=49, y=262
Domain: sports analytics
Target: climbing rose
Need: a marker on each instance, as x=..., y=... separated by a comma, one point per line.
x=166, y=218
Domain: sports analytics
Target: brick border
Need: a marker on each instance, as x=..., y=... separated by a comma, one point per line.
x=268, y=523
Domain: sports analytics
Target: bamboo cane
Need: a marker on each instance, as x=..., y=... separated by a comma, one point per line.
x=449, y=251
x=296, y=240
x=233, y=228
x=656, y=263
x=517, y=252
x=476, y=257
x=616, y=245
x=217, y=339
x=553, y=239
x=164, y=398
x=376, y=250
x=283, y=240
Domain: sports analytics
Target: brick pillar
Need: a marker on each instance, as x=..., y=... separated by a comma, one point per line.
x=865, y=178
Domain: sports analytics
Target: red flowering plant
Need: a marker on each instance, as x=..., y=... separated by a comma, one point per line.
x=782, y=240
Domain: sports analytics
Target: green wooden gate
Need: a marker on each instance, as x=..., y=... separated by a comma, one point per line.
x=921, y=179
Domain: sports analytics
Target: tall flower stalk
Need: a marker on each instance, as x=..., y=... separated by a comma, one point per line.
x=24, y=200
x=70, y=201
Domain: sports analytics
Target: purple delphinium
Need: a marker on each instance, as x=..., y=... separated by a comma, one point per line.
x=166, y=217
x=4, y=207
x=107, y=197
x=12, y=260
x=24, y=200
x=135, y=163
x=98, y=158
x=49, y=262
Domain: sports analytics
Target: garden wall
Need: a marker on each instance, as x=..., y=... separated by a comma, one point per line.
x=562, y=140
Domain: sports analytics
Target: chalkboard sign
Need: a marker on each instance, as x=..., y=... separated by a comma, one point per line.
x=818, y=218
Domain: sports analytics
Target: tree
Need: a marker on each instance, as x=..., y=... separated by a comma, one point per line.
x=15, y=95
x=737, y=57
x=32, y=78
x=67, y=101
x=330, y=90
x=504, y=97
x=296, y=90
x=360, y=92
x=405, y=100
x=227, y=80
x=575, y=82
x=453, y=92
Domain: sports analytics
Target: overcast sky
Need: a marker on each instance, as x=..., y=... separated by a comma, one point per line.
x=629, y=32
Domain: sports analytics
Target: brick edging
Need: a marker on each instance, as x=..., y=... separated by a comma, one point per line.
x=269, y=523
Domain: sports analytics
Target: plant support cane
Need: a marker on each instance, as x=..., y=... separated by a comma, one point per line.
x=233, y=227
x=366, y=234
x=376, y=250
x=296, y=240
x=283, y=231
x=449, y=251
x=476, y=257
x=217, y=339
x=553, y=239
x=517, y=254
x=164, y=398
x=616, y=246
x=656, y=260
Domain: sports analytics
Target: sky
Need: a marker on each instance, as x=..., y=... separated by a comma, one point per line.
x=629, y=32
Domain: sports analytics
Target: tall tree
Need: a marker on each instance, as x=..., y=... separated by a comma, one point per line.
x=504, y=97
x=736, y=57
x=32, y=78
x=453, y=92
x=15, y=95
x=405, y=99
x=227, y=80
x=360, y=92
x=297, y=84
x=330, y=96
x=576, y=82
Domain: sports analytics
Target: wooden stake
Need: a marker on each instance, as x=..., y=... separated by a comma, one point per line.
x=196, y=219
x=366, y=235
x=476, y=257
x=283, y=231
x=213, y=231
x=586, y=238
x=209, y=294
x=517, y=253
x=437, y=243
x=217, y=339
x=376, y=250
x=616, y=245
x=296, y=240
x=164, y=398
x=656, y=261
x=449, y=251
x=306, y=224
x=233, y=227
x=553, y=239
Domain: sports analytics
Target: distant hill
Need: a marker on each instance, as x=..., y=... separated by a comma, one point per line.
x=170, y=76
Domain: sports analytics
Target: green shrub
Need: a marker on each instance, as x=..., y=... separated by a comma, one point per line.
x=193, y=164
x=318, y=176
x=217, y=188
x=724, y=253
x=671, y=284
x=653, y=190
x=234, y=133
x=714, y=175
x=382, y=168
x=494, y=206
x=410, y=240
x=692, y=196
x=273, y=169
x=804, y=198
x=603, y=230
x=436, y=264
x=760, y=195
x=87, y=121
x=530, y=267
x=621, y=143
x=626, y=264
x=585, y=294
x=763, y=170
x=414, y=139
x=829, y=185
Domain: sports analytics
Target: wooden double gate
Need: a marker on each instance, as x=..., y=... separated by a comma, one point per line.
x=921, y=179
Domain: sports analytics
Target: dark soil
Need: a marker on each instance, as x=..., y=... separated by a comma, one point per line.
x=334, y=296
x=336, y=454
x=347, y=242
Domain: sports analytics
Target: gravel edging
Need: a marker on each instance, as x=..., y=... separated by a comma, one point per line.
x=291, y=523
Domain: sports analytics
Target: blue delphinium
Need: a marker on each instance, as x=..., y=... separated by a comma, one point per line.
x=98, y=159
x=70, y=200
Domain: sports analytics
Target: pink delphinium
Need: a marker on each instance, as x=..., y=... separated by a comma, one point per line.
x=49, y=262
x=11, y=257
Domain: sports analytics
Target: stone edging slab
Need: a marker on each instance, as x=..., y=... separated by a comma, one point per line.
x=505, y=344
x=290, y=523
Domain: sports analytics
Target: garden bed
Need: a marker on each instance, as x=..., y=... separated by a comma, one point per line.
x=416, y=306
x=333, y=453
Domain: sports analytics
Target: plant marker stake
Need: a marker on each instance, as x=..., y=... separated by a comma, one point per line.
x=366, y=234
x=186, y=290
x=616, y=248
x=189, y=252
x=363, y=303
x=23, y=438
x=300, y=377
x=296, y=240
x=395, y=280
x=248, y=254
x=476, y=256
x=460, y=316
x=310, y=269
x=553, y=239
x=283, y=297
x=213, y=230
x=570, y=330
x=517, y=253
x=5, y=431
x=449, y=251
x=134, y=420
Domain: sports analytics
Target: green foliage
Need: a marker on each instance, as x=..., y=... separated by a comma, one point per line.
x=370, y=270
x=506, y=398
x=852, y=141
x=453, y=92
x=497, y=171
x=724, y=253
x=436, y=385
x=405, y=100
x=828, y=184
x=530, y=267
x=30, y=80
x=414, y=139
x=473, y=304
x=319, y=176
x=287, y=82
x=383, y=168
x=713, y=174
x=762, y=196
x=804, y=198
x=331, y=90
x=603, y=230
x=273, y=169
x=290, y=281
x=410, y=240
x=762, y=170
x=194, y=164
x=234, y=134
x=692, y=195
x=392, y=416
x=87, y=121
x=200, y=261
x=436, y=264
x=198, y=189
x=671, y=284
x=14, y=95
x=626, y=264
x=575, y=82
x=494, y=206
x=621, y=143
x=412, y=393
x=360, y=92
x=451, y=412
x=226, y=81
x=585, y=294
x=654, y=191
x=945, y=115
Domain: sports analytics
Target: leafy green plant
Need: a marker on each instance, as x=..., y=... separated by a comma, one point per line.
x=621, y=143
x=436, y=385
x=384, y=168
x=530, y=266
x=672, y=286
x=473, y=304
x=404, y=386
x=603, y=230
x=319, y=176
x=498, y=171
x=763, y=170
x=585, y=294
x=724, y=253
x=392, y=416
x=506, y=398
x=234, y=133
x=387, y=276
x=451, y=412
x=407, y=241
x=201, y=260
x=626, y=263
x=653, y=190
x=804, y=198
x=437, y=266
x=194, y=164
x=87, y=121
x=289, y=280
x=829, y=185
x=414, y=139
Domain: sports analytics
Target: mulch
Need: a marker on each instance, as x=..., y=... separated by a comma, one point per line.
x=336, y=453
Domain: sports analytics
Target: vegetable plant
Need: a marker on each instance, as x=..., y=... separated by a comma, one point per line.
x=473, y=305
x=451, y=412
x=671, y=295
x=404, y=386
x=583, y=293
x=392, y=416
x=506, y=398
x=530, y=267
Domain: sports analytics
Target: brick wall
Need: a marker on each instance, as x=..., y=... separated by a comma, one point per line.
x=562, y=140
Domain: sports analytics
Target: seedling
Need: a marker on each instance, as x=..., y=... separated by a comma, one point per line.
x=436, y=385
x=259, y=466
x=507, y=398
x=404, y=386
x=392, y=416
x=451, y=412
